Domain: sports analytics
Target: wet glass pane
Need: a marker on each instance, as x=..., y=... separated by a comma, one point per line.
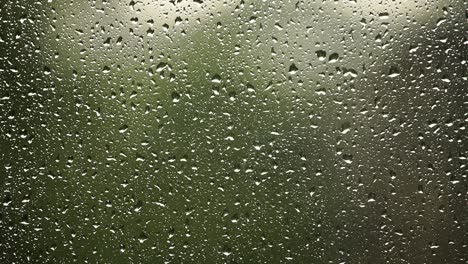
x=241, y=131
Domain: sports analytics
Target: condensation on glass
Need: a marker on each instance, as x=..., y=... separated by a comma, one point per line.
x=241, y=131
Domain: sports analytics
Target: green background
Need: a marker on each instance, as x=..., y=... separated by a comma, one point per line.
x=237, y=132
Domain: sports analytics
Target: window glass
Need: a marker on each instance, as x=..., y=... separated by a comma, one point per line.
x=243, y=131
